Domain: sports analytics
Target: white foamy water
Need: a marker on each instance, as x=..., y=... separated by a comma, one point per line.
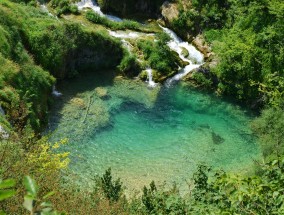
x=129, y=34
x=55, y=92
x=150, y=81
x=124, y=35
x=45, y=10
x=3, y=133
x=194, y=58
x=96, y=8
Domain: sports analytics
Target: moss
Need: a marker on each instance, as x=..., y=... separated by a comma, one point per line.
x=101, y=92
x=184, y=52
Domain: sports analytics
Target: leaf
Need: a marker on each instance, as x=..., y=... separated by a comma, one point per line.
x=7, y=183
x=46, y=204
x=48, y=195
x=31, y=186
x=28, y=203
x=46, y=210
x=5, y=194
x=2, y=213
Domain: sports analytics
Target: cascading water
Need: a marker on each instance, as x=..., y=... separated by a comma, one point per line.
x=150, y=81
x=55, y=92
x=194, y=58
x=95, y=7
x=124, y=35
x=45, y=9
x=176, y=44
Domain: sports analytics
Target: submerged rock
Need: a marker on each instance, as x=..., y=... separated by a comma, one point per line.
x=101, y=92
x=78, y=102
x=217, y=139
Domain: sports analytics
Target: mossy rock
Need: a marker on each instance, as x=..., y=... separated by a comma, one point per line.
x=101, y=92
x=143, y=75
x=78, y=102
x=184, y=52
x=216, y=138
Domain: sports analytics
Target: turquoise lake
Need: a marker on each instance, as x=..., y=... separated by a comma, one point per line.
x=146, y=134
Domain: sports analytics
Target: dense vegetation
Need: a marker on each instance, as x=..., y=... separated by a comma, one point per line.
x=33, y=43
x=158, y=54
x=247, y=39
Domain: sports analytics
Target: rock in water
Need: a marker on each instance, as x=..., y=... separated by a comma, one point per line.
x=101, y=92
x=217, y=139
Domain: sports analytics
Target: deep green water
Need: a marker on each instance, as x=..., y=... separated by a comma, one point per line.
x=143, y=134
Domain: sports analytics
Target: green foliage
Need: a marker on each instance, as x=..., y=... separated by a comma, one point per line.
x=34, y=43
x=24, y=87
x=111, y=189
x=226, y=194
x=32, y=202
x=162, y=202
x=203, y=80
x=123, y=25
x=269, y=126
x=129, y=65
x=247, y=38
x=64, y=6
x=158, y=55
x=5, y=189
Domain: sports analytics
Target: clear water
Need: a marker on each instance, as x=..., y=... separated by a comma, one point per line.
x=146, y=134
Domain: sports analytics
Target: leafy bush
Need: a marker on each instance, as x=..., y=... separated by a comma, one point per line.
x=158, y=55
x=269, y=126
x=129, y=65
x=64, y=7
x=111, y=189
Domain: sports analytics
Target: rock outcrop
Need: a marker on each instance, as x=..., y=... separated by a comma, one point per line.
x=169, y=12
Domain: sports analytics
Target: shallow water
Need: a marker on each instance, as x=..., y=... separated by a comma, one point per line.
x=146, y=134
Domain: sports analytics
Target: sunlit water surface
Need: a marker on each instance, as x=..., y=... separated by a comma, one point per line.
x=144, y=134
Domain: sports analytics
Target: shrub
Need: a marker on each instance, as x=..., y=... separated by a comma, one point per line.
x=111, y=189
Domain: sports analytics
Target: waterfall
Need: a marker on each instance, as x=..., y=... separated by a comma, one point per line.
x=2, y=112
x=55, y=92
x=150, y=81
x=3, y=133
x=194, y=58
x=45, y=10
x=124, y=35
x=96, y=8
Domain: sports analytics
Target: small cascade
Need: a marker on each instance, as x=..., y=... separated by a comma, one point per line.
x=45, y=10
x=194, y=58
x=55, y=92
x=96, y=8
x=2, y=112
x=150, y=81
x=128, y=34
x=3, y=134
x=124, y=35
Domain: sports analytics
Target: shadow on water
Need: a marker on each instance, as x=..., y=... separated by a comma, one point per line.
x=71, y=87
